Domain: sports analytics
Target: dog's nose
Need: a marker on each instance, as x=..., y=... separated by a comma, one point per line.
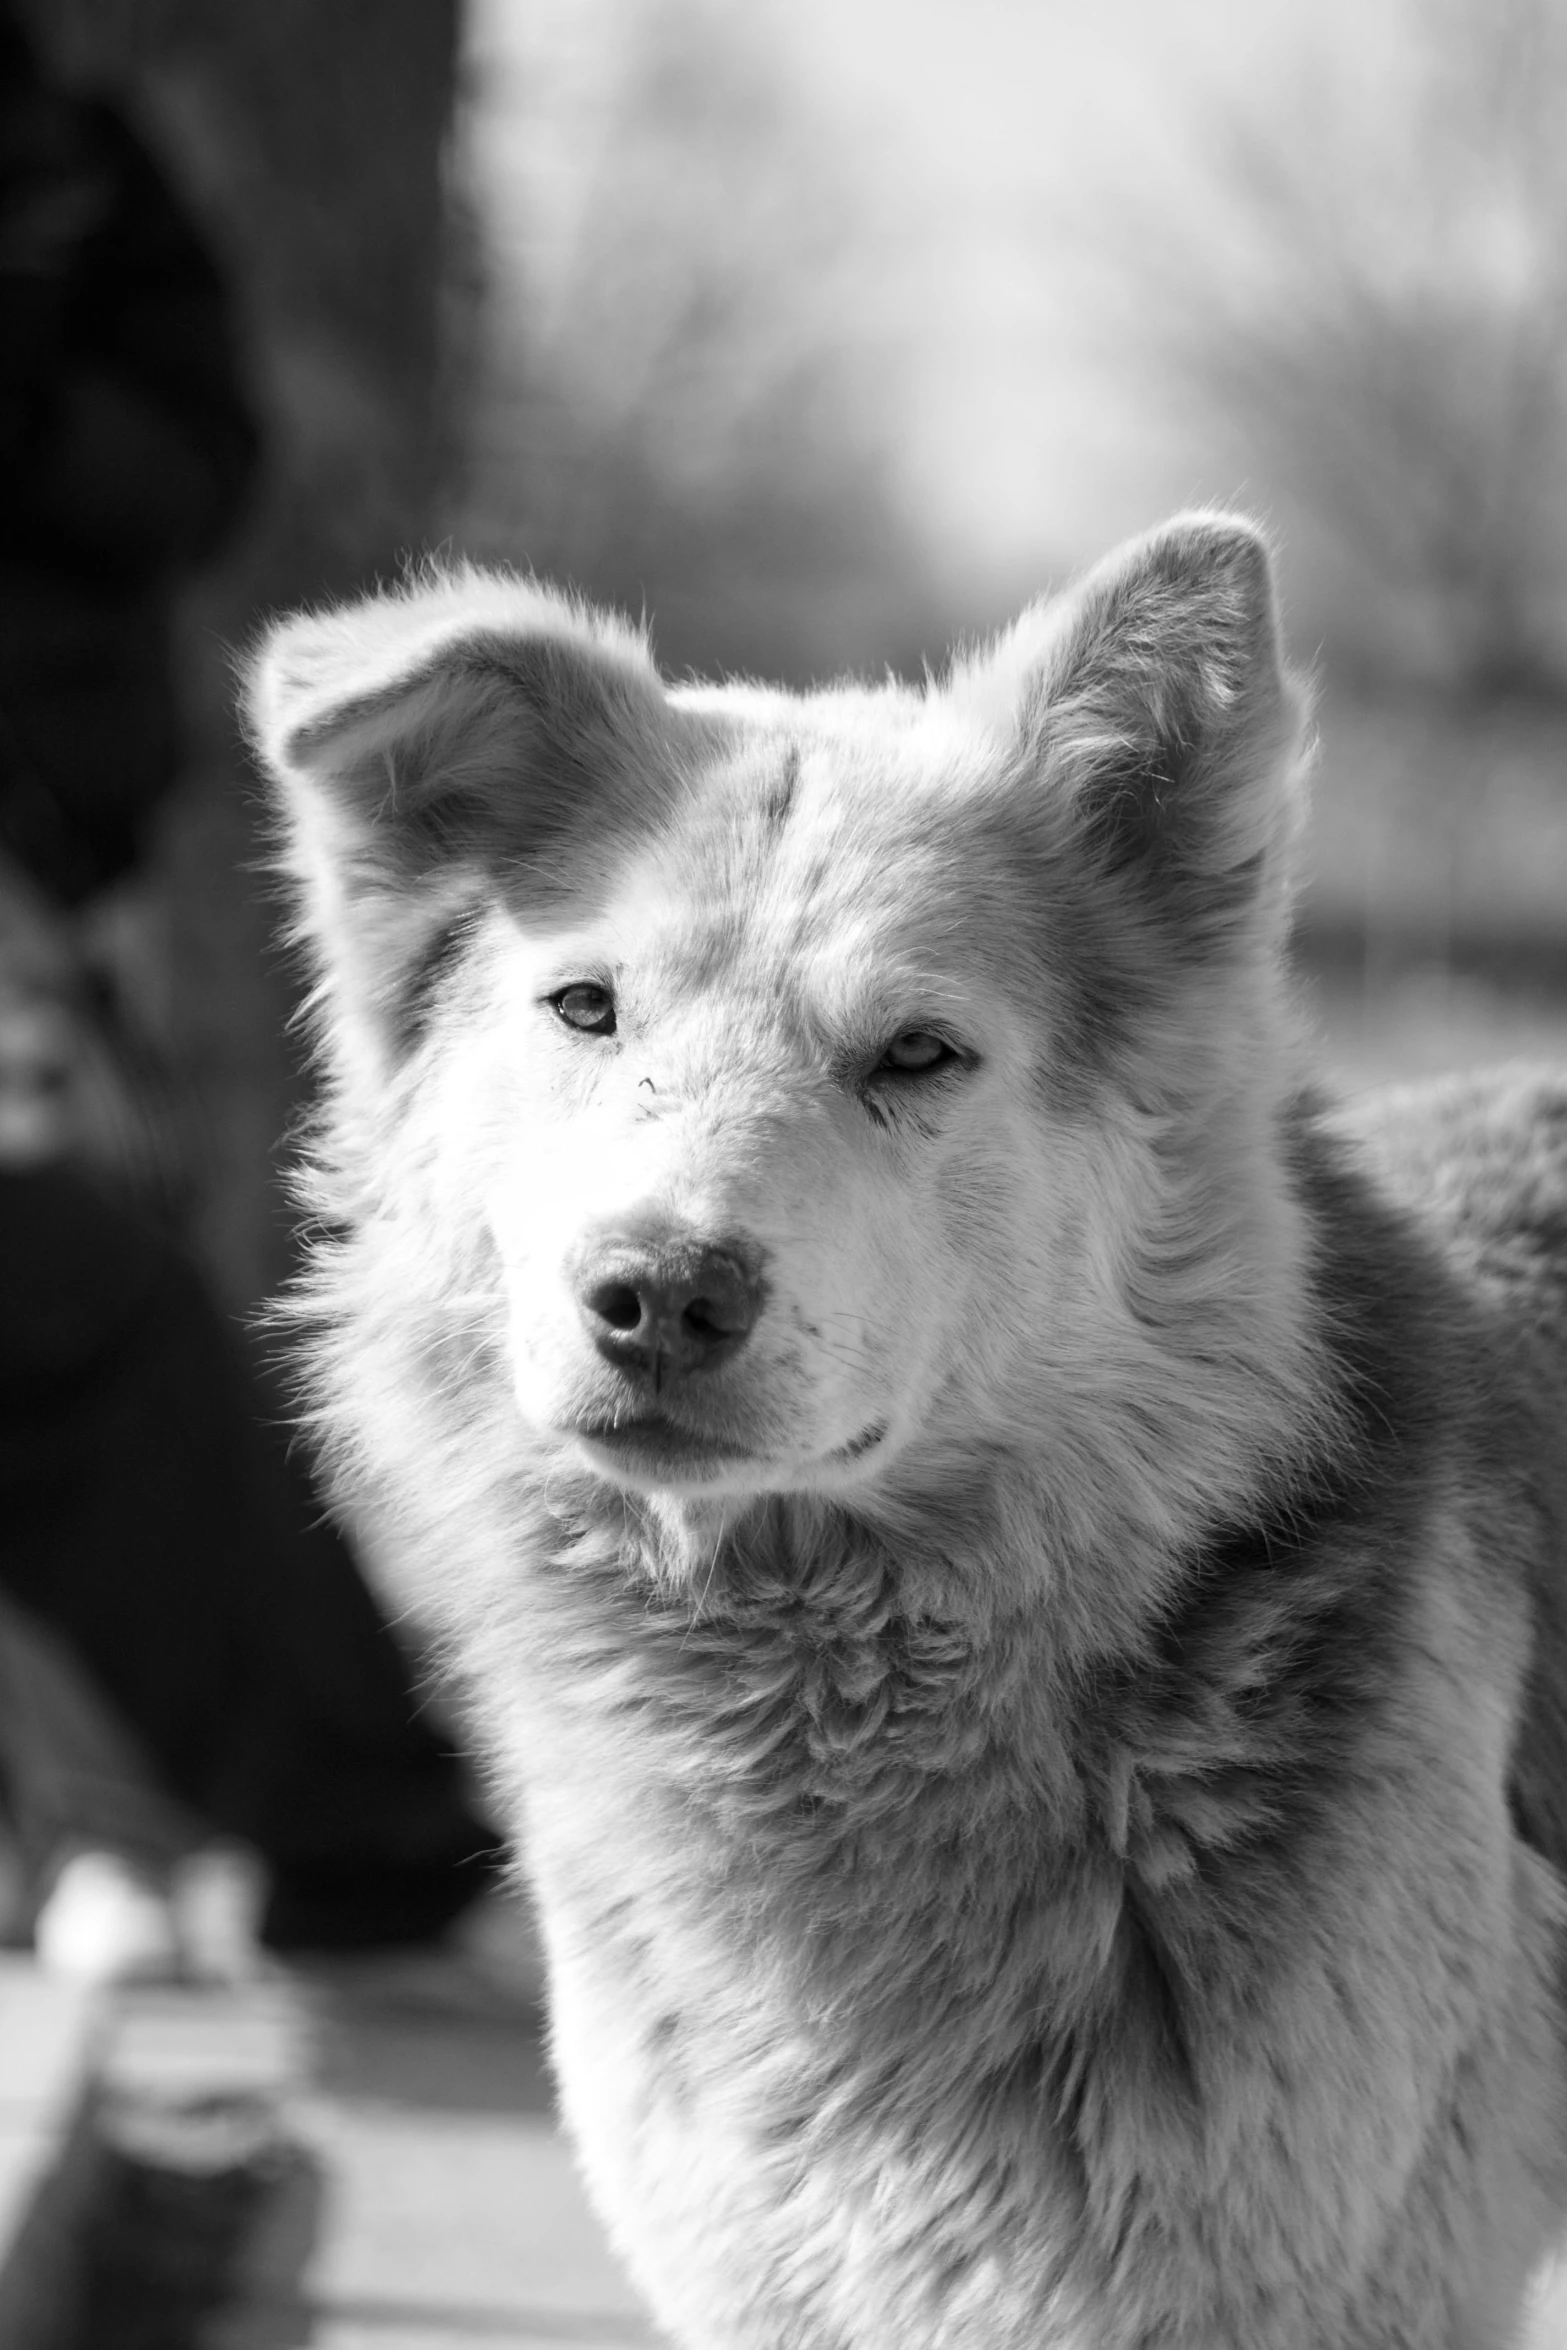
x=669, y=1308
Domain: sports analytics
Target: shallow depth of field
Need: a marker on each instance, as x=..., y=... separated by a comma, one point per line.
x=824, y=333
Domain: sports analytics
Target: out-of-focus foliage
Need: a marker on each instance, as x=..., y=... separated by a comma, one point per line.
x=679, y=410
x=1374, y=302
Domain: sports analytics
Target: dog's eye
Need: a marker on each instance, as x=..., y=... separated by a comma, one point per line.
x=915, y=1052
x=586, y=1007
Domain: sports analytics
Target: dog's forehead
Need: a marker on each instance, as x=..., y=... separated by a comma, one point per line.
x=802, y=844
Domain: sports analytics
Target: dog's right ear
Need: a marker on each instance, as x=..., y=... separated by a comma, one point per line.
x=1154, y=723
x=474, y=731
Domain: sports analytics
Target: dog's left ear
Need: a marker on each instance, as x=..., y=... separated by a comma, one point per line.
x=1153, y=710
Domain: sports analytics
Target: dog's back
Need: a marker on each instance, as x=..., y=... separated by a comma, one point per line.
x=1481, y=1162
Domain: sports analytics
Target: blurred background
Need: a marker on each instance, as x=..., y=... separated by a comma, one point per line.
x=829, y=330
x=824, y=332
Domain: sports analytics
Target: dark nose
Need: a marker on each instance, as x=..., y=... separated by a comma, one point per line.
x=665, y=1309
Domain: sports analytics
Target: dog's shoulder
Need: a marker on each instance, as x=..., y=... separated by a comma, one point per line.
x=1482, y=1161
x=1477, y=1167
x=1316, y=1591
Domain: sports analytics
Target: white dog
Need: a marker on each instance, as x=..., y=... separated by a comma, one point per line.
x=1011, y=1572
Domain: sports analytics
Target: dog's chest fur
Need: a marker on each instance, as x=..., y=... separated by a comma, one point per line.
x=871, y=1925
x=817, y=1852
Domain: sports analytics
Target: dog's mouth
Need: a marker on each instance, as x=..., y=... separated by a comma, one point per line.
x=649, y=1449
x=651, y=1445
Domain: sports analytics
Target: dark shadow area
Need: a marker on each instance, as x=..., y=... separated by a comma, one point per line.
x=179, y=2199
x=265, y=2305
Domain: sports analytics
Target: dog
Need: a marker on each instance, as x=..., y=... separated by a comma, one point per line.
x=1008, y=1559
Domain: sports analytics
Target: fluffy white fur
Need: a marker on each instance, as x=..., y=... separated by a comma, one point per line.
x=1018, y=1698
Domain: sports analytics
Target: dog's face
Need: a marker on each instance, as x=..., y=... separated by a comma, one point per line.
x=756, y=1034
x=764, y=1176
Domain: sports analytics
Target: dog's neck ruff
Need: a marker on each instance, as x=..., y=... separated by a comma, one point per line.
x=816, y=1679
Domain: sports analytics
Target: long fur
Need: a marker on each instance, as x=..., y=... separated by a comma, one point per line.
x=1041, y=1754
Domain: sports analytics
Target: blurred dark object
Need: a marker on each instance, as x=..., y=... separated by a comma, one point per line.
x=85, y=1075
x=312, y=147
x=126, y=446
x=72, y=1777
x=153, y=1515
x=168, y=2223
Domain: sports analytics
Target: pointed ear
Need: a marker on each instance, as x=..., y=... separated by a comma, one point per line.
x=1152, y=707
x=476, y=718
x=475, y=732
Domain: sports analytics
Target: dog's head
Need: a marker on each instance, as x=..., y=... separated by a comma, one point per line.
x=809, y=1075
